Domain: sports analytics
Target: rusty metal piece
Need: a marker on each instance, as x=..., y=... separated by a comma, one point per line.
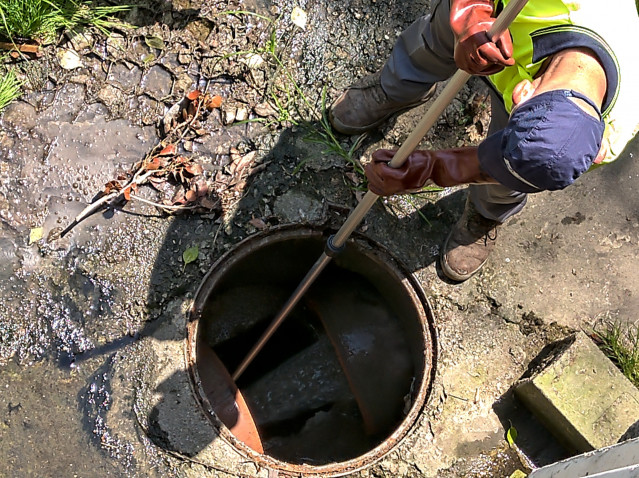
x=227, y=401
x=21, y=47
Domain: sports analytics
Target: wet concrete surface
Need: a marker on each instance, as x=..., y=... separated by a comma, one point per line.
x=92, y=326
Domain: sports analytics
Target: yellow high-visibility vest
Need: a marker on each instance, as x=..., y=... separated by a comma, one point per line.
x=546, y=26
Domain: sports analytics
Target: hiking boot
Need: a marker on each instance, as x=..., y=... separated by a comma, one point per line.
x=365, y=105
x=468, y=245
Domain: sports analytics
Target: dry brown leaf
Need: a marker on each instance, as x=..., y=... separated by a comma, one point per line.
x=194, y=169
x=207, y=203
x=112, y=186
x=353, y=178
x=212, y=102
x=200, y=185
x=178, y=198
x=190, y=195
x=258, y=223
x=242, y=164
x=155, y=164
x=222, y=178
x=168, y=150
x=193, y=95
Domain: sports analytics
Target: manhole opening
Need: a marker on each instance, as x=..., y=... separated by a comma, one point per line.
x=343, y=373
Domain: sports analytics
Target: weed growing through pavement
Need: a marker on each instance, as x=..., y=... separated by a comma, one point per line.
x=292, y=105
x=620, y=343
x=427, y=189
x=9, y=88
x=42, y=20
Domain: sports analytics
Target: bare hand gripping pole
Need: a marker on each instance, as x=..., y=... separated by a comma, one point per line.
x=336, y=242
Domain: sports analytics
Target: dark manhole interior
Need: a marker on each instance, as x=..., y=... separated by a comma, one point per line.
x=340, y=374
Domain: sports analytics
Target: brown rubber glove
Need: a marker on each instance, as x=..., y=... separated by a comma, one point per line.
x=475, y=52
x=445, y=168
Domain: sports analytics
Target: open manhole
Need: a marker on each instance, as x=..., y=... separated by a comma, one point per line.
x=345, y=376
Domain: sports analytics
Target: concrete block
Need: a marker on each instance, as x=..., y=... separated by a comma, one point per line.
x=580, y=396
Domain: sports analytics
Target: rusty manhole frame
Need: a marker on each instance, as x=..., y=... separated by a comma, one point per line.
x=374, y=251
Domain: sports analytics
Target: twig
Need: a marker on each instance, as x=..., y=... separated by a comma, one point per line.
x=87, y=211
x=216, y=234
x=164, y=206
x=52, y=145
x=93, y=207
x=458, y=398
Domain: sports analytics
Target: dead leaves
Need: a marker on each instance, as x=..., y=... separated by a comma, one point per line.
x=240, y=165
x=177, y=176
x=234, y=177
x=258, y=223
x=212, y=102
x=180, y=181
x=186, y=114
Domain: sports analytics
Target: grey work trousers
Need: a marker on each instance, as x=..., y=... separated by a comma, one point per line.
x=422, y=56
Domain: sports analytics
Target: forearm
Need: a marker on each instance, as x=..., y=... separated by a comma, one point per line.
x=458, y=166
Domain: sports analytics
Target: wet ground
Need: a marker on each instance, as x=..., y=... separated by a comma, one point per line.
x=92, y=325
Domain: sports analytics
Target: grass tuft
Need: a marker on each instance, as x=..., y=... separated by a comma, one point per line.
x=9, y=89
x=620, y=343
x=42, y=19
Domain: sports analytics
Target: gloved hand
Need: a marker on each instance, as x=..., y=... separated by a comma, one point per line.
x=475, y=52
x=445, y=168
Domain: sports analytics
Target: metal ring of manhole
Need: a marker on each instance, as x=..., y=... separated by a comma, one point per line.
x=343, y=379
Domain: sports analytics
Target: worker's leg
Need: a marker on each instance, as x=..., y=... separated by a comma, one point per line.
x=422, y=56
x=473, y=237
x=494, y=201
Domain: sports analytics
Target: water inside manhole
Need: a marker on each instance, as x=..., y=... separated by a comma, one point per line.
x=343, y=378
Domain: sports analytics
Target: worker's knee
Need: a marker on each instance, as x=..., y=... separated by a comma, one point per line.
x=547, y=144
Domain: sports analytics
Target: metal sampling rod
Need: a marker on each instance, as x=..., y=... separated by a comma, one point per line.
x=337, y=241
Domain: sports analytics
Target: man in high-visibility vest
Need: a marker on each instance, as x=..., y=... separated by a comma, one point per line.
x=563, y=101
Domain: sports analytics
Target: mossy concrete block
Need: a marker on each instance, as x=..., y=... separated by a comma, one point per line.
x=580, y=396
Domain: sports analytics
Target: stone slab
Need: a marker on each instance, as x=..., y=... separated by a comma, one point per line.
x=580, y=396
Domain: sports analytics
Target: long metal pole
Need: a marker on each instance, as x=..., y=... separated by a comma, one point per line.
x=455, y=84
